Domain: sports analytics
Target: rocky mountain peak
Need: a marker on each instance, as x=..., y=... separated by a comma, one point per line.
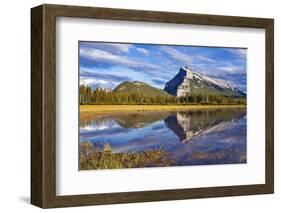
x=172, y=85
x=187, y=82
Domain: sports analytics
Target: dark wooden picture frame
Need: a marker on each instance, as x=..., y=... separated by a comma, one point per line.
x=43, y=105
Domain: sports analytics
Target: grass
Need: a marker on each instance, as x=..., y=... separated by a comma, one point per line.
x=92, y=157
x=87, y=111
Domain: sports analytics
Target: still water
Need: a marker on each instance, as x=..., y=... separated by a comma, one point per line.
x=197, y=137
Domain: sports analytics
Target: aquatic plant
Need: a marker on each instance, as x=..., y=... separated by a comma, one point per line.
x=93, y=157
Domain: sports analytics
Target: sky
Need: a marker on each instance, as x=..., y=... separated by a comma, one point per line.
x=109, y=64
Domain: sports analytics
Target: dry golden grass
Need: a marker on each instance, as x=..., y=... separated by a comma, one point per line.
x=88, y=111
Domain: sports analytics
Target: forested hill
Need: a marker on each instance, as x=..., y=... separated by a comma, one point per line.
x=141, y=88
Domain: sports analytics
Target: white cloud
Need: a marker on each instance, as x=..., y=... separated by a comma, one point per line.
x=232, y=69
x=98, y=83
x=111, y=47
x=203, y=59
x=185, y=58
x=104, y=56
x=241, y=53
x=120, y=47
x=90, y=81
x=108, y=57
x=177, y=55
x=143, y=51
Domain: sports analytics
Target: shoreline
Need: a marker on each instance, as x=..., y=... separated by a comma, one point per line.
x=91, y=111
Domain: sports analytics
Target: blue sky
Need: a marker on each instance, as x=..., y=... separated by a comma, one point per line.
x=108, y=64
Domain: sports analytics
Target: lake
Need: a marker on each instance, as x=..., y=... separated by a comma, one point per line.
x=192, y=137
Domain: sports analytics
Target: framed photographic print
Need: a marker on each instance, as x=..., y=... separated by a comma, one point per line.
x=136, y=106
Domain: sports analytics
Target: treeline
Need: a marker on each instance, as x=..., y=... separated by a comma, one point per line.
x=100, y=96
x=211, y=99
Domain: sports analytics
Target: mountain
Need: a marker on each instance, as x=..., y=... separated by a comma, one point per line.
x=140, y=87
x=187, y=81
x=191, y=125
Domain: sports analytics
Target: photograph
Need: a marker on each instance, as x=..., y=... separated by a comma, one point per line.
x=140, y=105
x=154, y=105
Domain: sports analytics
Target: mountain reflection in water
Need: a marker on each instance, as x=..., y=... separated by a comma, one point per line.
x=197, y=137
